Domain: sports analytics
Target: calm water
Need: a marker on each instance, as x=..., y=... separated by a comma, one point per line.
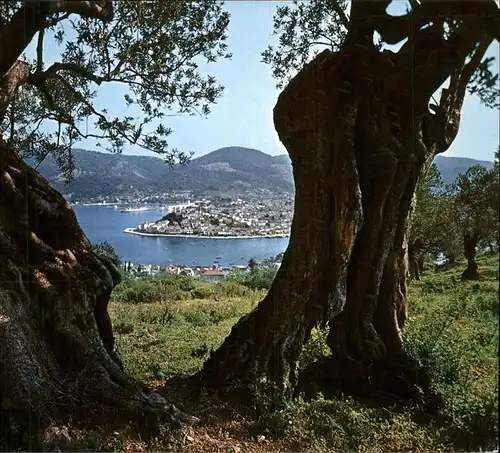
x=104, y=223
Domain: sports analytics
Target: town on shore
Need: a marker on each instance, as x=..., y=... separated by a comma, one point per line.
x=226, y=218
x=213, y=273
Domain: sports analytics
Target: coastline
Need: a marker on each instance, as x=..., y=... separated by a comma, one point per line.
x=133, y=231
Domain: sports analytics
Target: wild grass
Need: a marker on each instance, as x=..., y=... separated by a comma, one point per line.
x=167, y=327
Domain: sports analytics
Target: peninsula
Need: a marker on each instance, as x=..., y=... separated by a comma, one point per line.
x=201, y=236
x=223, y=219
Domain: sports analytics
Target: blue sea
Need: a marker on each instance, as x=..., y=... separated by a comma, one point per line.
x=106, y=223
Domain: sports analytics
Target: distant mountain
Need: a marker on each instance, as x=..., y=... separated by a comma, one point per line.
x=451, y=167
x=232, y=170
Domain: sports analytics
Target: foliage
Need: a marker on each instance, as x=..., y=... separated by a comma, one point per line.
x=442, y=215
x=152, y=49
x=428, y=224
x=306, y=28
x=175, y=322
x=473, y=196
x=257, y=278
x=303, y=29
x=107, y=250
x=453, y=330
x=175, y=287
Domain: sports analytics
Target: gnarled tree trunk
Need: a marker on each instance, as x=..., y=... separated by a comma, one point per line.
x=359, y=132
x=346, y=258
x=264, y=346
x=56, y=342
x=470, y=246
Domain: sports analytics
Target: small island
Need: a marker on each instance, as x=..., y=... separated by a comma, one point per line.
x=215, y=219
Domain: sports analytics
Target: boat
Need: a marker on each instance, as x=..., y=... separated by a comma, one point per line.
x=143, y=208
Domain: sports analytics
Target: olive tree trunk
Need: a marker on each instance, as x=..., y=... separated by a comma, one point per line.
x=470, y=247
x=310, y=286
x=415, y=258
x=359, y=132
x=346, y=259
x=57, y=353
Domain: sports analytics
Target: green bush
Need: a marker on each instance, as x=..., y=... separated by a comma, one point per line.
x=453, y=331
x=256, y=279
x=231, y=288
x=202, y=292
x=139, y=291
x=161, y=289
x=106, y=250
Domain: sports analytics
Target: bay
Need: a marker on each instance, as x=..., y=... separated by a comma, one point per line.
x=106, y=223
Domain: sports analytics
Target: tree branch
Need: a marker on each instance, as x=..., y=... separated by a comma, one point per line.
x=39, y=50
x=96, y=9
x=364, y=15
x=447, y=118
x=31, y=17
x=344, y=20
x=17, y=75
x=395, y=29
x=53, y=69
x=433, y=58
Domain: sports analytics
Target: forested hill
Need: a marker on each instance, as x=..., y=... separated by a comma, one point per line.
x=235, y=170
x=451, y=167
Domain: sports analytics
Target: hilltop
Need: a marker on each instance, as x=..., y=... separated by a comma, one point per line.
x=231, y=170
x=235, y=170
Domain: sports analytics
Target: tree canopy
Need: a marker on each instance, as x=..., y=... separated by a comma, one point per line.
x=473, y=196
x=306, y=28
x=152, y=49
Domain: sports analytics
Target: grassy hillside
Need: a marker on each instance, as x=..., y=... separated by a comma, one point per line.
x=165, y=329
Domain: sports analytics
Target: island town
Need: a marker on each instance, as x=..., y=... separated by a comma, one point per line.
x=228, y=218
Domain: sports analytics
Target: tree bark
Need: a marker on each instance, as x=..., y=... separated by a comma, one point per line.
x=470, y=245
x=415, y=259
x=264, y=346
x=57, y=351
x=16, y=35
x=347, y=257
x=359, y=133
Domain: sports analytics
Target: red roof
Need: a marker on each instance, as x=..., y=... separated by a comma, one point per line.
x=212, y=272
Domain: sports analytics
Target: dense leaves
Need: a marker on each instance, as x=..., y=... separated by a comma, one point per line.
x=303, y=29
x=443, y=216
x=152, y=49
x=428, y=224
x=473, y=208
x=306, y=28
x=106, y=250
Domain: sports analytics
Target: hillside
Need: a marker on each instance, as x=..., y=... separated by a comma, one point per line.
x=451, y=167
x=227, y=170
x=235, y=170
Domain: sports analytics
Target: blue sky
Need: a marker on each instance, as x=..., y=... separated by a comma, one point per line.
x=243, y=115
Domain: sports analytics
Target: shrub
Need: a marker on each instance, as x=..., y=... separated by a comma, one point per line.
x=106, y=250
x=345, y=425
x=453, y=332
x=138, y=291
x=230, y=288
x=257, y=279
